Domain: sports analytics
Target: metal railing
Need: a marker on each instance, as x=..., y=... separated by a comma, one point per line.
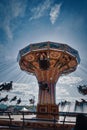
x=24, y=119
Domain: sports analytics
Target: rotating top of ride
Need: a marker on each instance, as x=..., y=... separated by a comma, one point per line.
x=48, y=59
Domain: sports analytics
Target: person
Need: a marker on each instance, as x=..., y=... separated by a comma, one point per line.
x=19, y=101
x=43, y=61
x=81, y=122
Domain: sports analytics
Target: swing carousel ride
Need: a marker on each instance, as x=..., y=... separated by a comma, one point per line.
x=48, y=61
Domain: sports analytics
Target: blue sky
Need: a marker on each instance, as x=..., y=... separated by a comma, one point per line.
x=26, y=21
x=30, y=21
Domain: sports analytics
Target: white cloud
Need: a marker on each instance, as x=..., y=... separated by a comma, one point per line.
x=68, y=80
x=18, y=8
x=39, y=11
x=8, y=31
x=60, y=91
x=13, y=10
x=54, y=13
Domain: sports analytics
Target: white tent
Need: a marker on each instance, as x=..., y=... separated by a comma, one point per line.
x=24, y=109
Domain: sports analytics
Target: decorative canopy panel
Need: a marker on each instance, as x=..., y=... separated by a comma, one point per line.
x=48, y=60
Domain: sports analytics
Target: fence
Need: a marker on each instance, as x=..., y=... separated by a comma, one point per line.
x=7, y=116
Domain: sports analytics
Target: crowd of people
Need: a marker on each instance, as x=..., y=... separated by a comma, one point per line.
x=8, y=87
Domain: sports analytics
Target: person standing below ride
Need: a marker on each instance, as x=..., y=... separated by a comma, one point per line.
x=81, y=122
